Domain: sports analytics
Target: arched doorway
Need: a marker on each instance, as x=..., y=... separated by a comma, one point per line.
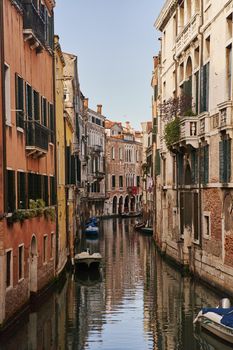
x=126, y=204
x=114, y=205
x=33, y=265
x=120, y=206
x=132, y=204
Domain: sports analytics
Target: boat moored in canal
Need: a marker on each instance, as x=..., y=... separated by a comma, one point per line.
x=217, y=321
x=87, y=260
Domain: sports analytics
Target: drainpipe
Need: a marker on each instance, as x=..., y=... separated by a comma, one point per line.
x=3, y=182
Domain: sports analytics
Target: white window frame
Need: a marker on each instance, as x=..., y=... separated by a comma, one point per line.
x=206, y=214
x=11, y=269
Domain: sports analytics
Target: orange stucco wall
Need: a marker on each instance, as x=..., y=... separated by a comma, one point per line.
x=35, y=69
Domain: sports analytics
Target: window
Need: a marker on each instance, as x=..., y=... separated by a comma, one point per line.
x=45, y=249
x=36, y=105
x=206, y=225
x=204, y=88
x=21, y=262
x=52, y=245
x=52, y=191
x=157, y=163
x=21, y=190
x=138, y=181
x=121, y=181
x=113, y=153
x=120, y=153
x=44, y=111
x=9, y=267
x=207, y=48
x=45, y=189
x=229, y=71
x=181, y=22
x=225, y=160
x=51, y=123
x=113, y=181
x=29, y=102
x=7, y=93
x=19, y=99
x=204, y=164
x=164, y=172
x=196, y=77
x=229, y=26
x=10, y=193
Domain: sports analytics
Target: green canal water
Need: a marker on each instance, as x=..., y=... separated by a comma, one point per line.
x=136, y=301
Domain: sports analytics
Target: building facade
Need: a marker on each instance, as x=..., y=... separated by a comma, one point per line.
x=72, y=110
x=123, y=169
x=62, y=239
x=95, y=156
x=147, y=172
x=29, y=229
x=195, y=133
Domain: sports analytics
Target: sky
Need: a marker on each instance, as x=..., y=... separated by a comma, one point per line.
x=115, y=42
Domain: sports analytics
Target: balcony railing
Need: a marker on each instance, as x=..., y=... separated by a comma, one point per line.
x=33, y=25
x=189, y=130
x=225, y=115
x=189, y=33
x=99, y=175
x=37, y=138
x=97, y=148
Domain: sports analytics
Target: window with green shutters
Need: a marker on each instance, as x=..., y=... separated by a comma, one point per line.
x=19, y=100
x=204, y=88
x=36, y=105
x=204, y=164
x=21, y=190
x=10, y=191
x=157, y=163
x=225, y=160
x=29, y=102
x=51, y=123
x=180, y=163
x=194, y=166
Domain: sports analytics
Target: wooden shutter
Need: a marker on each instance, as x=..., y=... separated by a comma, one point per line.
x=206, y=164
x=228, y=160
x=221, y=162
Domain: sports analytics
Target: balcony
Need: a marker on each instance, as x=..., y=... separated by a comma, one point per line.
x=99, y=175
x=188, y=34
x=225, y=115
x=133, y=190
x=37, y=139
x=33, y=26
x=204, y=124
x=97, y=149
x=189, y=131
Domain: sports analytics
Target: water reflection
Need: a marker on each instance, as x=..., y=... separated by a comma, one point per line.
x=137, y=301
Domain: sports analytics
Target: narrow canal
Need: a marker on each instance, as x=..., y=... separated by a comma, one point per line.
x=138, y=301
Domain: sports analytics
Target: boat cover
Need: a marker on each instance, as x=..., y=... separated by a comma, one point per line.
x=218, y=311
x=227, y=315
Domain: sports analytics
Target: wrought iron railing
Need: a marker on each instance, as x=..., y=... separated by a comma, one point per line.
x=37, y=135
x=32, y=20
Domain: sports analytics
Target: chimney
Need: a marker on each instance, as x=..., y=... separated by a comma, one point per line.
x=127, y=125
x=99, y=109
x=156, y=61
x=85, y=103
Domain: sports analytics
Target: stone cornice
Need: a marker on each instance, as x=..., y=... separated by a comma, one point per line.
x=165, y=14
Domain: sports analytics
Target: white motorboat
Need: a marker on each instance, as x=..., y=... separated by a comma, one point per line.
x=87, y=259
x=217, y=321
